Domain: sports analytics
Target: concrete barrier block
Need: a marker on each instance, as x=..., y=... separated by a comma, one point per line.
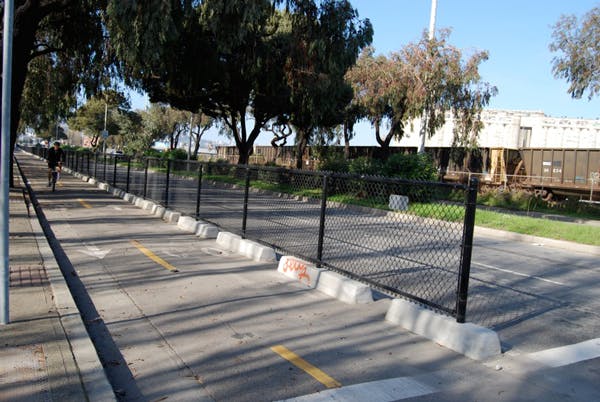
x=117, y=192
x=171, y=216
x=468, y=339
x=93, y=181
x=128, y=197
x=188, y=224
x=103, y=186
x=138, y=202
x=159, y=211
x=229, y=241
x=85, y=178
x=300, y=270
x=398, y=202
x=207, y=231
x=344, y=289
x=147, y=205
x=256, y=251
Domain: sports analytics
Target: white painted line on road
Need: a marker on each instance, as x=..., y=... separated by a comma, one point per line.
x=393, y=389
x=518, y=273
x=570, y=354
x=94, y=251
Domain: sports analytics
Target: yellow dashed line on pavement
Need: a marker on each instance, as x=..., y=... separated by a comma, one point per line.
x=84, y=204
x=153, y=256
x=302, y=364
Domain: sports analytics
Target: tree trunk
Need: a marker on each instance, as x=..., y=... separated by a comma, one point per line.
x=301, y=143
x=347, y=131
x=25, y=26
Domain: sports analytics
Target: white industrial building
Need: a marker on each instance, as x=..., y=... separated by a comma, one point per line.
x=515, y=129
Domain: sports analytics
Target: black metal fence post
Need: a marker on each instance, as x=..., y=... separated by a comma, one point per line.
x=167, y=184
x=467, y=248
x=96, y=165
x=88, y=163
x=145, y=177
x=104, y=168
x=246, y=192
x=322, y=220
x=199, y=190
x=115, y=170
x=128, y=173
x=76, y=164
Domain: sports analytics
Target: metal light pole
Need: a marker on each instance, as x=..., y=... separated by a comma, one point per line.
x=104, y=132
x=5, y=158
x=190, y=137
x=423, y=132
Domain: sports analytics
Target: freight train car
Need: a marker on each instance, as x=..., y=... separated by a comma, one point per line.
x=561, y=171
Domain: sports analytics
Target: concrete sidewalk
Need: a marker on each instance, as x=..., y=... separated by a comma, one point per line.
x=37, y=358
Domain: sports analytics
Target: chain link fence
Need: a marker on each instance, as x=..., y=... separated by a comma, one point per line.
x=405, y=238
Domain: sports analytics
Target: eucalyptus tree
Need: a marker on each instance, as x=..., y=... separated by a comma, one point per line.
x=577, y=42
x=71, y=31
x=107, y=110
x=381, y=88
x=326, y=39
x=223, y=57
x=430, y=76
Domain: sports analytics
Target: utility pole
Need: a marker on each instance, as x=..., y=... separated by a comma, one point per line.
x=5, y=158
x=431, y=35
x=190, y=137
x=104, y=132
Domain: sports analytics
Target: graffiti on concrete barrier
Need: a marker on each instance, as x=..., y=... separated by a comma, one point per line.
x=298, y=267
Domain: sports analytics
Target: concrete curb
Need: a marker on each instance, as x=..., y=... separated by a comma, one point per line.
x=188, y=224
x=300, y=270
x=471, y=340
x=207, y=230
x=92, y=373
x=159, y=211
x=344, y=289
x=247, y=248
x=330, y=283
x=560, y=244
x=171, y=216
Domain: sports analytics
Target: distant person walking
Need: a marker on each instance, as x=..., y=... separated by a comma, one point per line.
x=56, y=156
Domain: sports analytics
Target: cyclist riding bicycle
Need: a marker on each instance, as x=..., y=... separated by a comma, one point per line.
x=55, y=158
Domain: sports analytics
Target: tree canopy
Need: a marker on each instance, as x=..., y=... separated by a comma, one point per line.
x=428, y=76
x=240, y=61
x=71, y=32
x=577, y=42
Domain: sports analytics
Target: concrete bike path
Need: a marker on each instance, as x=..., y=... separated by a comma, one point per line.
x=226, y=328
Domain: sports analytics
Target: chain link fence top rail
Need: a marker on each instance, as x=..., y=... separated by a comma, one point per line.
x=403, y=237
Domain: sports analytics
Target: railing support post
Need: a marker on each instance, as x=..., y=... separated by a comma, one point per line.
x=95, y=165
x=115, y=171
x=467, y=248
x=104, y=169
x=246, y=192
x=322, y=220
x=199, y=190
x=168, y=183
x=128, y=173
x=145, y=178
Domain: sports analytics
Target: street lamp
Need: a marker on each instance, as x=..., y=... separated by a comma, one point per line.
x=423, y=132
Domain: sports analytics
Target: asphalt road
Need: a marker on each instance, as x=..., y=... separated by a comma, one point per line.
x=212, y=330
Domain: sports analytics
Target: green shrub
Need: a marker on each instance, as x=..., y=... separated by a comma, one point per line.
x=176, y=153
x=153, y=153
x=365, y=166
x=411, y=167
x=333, y=162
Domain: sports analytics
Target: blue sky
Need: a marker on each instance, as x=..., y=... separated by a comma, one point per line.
x=516, y=33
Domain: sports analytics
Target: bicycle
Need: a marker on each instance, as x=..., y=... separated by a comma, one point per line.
x=55, y=175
